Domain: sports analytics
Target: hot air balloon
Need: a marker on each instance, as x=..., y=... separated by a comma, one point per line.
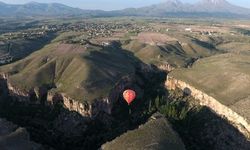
x=129, y=96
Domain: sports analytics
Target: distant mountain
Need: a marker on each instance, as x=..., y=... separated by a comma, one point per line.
x=178, y=8
x=219, y=6
x=208, y=8
x=38, y=9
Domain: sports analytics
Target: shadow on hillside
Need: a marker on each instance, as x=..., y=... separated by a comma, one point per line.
x=111, y=63
x=25, y=48
x=205, y=44
x=61, y=129
x=205, y=130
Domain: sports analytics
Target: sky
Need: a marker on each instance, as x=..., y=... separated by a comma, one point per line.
x=114, y=4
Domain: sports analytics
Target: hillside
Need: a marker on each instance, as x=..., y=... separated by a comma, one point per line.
x=21, y=47
x=85, y=73
x=163, y=49
x=156, y=134
x=225, y=77
x=14, y=137
x=67, y=87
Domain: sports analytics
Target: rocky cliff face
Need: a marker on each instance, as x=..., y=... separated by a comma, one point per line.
x=3, y=87
x=9, y=90
x=81, y=124
x=43, y=96
x=166, y=67
x=37, y=96
x=205, y=100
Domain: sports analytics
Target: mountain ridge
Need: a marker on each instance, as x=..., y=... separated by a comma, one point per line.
x=209, y=8
x=38, y=9
x=203, y=6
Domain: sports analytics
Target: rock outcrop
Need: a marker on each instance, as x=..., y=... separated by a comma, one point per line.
x=166, y=67
x=237, y=120
x=41, y=95
x=3, y=87
x=157, y=133
x=9, y=90
x=13, y=137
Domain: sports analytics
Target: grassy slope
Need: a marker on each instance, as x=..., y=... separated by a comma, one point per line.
x=82, y=75
x=234, y=43
x=173, y=52
x=155, y=134
x=226, y=77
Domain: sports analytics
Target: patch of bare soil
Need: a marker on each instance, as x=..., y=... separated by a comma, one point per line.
x=63, y=48
x=154, y=38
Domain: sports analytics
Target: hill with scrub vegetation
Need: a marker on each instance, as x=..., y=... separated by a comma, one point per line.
x=76, y=70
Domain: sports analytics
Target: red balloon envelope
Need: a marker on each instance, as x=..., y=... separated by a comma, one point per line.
x=129, y=96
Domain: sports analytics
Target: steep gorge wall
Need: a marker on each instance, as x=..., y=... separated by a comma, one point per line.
x=205, y=100
x=83, y=108
x=8, y=89
x=35, y=97
x=86, y=109
x=138, y=81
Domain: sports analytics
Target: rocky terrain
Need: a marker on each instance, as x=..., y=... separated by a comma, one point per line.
x=13, y=137
x=199, y=126
x=241, y=123
x=69, y=94
x=167, y=49
x=224, y=90
x=157, y=133
x=90, y=124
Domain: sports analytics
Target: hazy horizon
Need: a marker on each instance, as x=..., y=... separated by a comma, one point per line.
x=114, y=4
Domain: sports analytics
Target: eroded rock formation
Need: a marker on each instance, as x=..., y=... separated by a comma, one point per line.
x=166, y=67
x=137, y=81
x=205, y=100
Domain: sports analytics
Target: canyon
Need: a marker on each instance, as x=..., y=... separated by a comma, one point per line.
x=241, y=123
x=85, y=119
x=62, y=86
x=106, y=104
x=88, y=125
x=42, y=95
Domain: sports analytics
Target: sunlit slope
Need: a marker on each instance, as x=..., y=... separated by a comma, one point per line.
x=177, y=52
x=83, y=73
x=156, y=134
x=225, y=77
x=230, y=42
